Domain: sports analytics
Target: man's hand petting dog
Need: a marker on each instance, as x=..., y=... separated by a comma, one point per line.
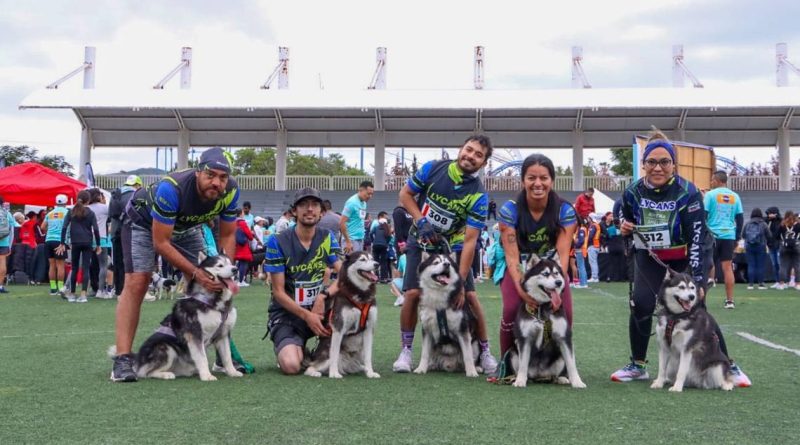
x=526, y=298
x=314, y=322
x=207, y=282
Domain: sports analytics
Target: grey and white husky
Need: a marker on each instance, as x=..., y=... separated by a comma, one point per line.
x=449, y=334
x=543, y=337
x=689, y=351
x=178, y=347
x=352, y=314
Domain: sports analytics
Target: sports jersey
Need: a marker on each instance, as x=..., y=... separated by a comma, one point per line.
x=173, y=201
x=670, y=218
x=55, y=219
x=450, y=200
x=304, y=268
x=355, y=210
x=532, y=235
x=722, y=205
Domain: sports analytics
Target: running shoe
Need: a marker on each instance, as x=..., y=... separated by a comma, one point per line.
x=740, y=379
x=403, y=362
x=123, y=369
x=488, y=362
x=729, y=305
x=631, y=371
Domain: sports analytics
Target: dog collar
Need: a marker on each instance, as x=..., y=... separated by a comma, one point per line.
x=548, y=324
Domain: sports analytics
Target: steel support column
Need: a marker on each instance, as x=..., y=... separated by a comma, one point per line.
x=281, y=156
x=380, y=161
x=784, y=163
x=577, y=160
x=183, y=149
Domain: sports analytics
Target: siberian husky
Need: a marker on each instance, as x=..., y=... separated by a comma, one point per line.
x=178, y=347
x=449, y=338
x=352, y=314
x=543, y=337
x=689, y=352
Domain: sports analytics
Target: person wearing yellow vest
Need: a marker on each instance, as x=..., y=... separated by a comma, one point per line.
x=581, y=245
x=593, y=244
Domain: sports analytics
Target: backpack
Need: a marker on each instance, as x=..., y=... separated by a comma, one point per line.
x=5, y=224
x=753, y=233
x=241, y=237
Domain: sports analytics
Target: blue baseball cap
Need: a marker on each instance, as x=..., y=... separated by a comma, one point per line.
x=215, y=158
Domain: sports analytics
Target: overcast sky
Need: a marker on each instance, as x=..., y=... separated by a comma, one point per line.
x=626, y=44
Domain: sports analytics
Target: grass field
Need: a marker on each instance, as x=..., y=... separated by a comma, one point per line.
x=54, y=384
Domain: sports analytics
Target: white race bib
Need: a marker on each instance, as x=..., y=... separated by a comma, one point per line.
x=305, y=292
x=442, y=220
x=657, y=236
x=362, y=214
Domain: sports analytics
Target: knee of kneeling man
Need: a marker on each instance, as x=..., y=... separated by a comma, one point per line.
x=290, y=367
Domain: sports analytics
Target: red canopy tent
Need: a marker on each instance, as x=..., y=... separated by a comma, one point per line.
x=31, y=183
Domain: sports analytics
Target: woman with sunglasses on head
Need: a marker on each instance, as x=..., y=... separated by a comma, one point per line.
x=666, y=210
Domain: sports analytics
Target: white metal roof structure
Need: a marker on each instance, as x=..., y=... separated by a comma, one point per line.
x=522, y=119
x=575, y=118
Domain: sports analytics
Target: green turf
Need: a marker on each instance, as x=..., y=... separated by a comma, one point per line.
x=54, y=384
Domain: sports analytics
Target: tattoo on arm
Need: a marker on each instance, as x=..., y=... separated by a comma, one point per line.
x=512, y=238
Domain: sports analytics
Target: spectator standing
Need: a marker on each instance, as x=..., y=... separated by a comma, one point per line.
x=82, y=225
x=581, y=247
x=99, y=265
x=402, y=222
x=790, y=249
x=593, y=247
x=116, y=216
x=243, y=254
x=249, y=218
x=492, y=210
x=380, y=235
x=725, y=219
x=584, y=204
x=354, y=214
x=330, y=220
x=52, y=225
x=774, y=223
x=7, y=225
x=756, y=236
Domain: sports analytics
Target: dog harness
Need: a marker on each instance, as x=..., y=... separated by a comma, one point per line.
x=441, y=321
x=548, y=324
x=166, y=329
x=362, y=321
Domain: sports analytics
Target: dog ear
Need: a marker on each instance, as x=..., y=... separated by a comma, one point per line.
x=201, y=256
x=533, y=260
x=556, y=258
x=424, y=256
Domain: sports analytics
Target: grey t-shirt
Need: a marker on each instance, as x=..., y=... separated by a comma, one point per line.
x=330, y=221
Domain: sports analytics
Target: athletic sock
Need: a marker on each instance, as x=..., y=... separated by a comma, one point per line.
x=484, y=344
x=407, y=339
x=53, y=285
x=642, y=363
x=59, y=284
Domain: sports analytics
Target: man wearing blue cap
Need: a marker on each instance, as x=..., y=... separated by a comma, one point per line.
x=165, y=219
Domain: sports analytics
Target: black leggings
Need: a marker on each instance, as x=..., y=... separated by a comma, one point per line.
x=648, y=278
x=81, y=254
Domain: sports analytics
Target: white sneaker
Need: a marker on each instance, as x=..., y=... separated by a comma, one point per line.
x=775, y=286
x=762, y=287
x=149, y=297
x=399, y=301
x=71, y=298
x=592, y=280
x=749, y=287
x=488, y=362
x=82, y=299
x=780, y=287
x=403, y=362
x=244, y=284
x=103, y=295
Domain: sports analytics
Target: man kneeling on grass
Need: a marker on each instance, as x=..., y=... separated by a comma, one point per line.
x=296, y=261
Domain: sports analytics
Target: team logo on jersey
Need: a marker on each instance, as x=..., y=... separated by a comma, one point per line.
x=664, y=206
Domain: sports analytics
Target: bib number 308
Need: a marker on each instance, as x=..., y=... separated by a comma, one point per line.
x=440, y=219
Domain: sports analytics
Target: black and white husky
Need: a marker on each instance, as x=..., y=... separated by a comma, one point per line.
x=352, y=313
x=543, y=337
x=178, y=347
x=449, y=335
x=689, y=352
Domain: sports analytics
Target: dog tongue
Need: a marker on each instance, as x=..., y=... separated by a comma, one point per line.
x=444, y=279
x=231, y=285
x=555, y=299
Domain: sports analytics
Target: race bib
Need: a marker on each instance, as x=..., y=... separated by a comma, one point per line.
x=442, y=220
x=657, y=237
x=305, y=292
x=362, y=214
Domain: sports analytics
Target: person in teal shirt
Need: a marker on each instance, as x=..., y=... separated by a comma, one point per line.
x=351, y=224
x=397, y=282
x=52, y=226
x=5, y=242
x=725, y=219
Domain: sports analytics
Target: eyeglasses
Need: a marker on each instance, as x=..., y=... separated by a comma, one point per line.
x=664, y=162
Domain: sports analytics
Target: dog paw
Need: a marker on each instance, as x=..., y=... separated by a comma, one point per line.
x=561, y=380
x=208, y=378
x=676, y=388
x=727, y=386
x=521, y=383
x=420, y=370
x=578, y=384
x=335, y=375
x=373, y=375
x=313, y=373
x=472, y=373
x=234, y=373
x=657, y=384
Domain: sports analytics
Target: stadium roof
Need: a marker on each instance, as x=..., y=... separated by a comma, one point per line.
x=437, y=118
